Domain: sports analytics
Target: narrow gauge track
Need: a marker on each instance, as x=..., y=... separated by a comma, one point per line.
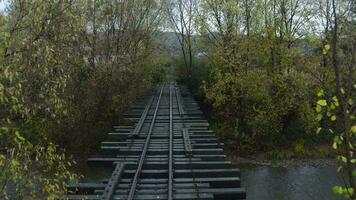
x=168, y=154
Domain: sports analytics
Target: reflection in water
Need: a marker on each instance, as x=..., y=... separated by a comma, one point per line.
x=93, y=174
x=298, y=182
x=97, y=174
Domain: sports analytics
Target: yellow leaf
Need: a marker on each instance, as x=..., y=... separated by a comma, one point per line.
x=353, y=129
x=350, y=191
x=322, y=102
x=337, y=104
x=333, y=118
x=320, y=93
x=326, y=49
x=334, y=145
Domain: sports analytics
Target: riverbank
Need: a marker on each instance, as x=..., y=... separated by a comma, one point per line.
x=262, y=159
x=319, y=162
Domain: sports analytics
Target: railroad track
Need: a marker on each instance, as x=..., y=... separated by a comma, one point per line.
x=169, y=153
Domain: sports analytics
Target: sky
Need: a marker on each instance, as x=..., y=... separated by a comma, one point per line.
x=3, y=4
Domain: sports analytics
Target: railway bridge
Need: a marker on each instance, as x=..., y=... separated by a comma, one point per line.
x=169, y=153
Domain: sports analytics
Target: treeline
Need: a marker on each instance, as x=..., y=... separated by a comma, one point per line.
x=68, y=70
x=279, y=74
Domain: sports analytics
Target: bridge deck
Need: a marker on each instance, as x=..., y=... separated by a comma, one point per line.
x=170, y=153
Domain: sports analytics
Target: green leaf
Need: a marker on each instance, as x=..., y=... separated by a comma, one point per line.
x=338, y=139
x=342, y=158
x=326, y=49
x=322, y=102
x=339, y=169
x=334, y=145
x=318, y=108
x=350, y=101
x=313, y=39
x=328, y=114
x=338, y=190
x=18, y=136
x=2, y=160
x=333, y=118
x=319, y=117
x=335, y=98
x=318, y=130
x=320, y=93
x=332, y=106
x=353, y=129
x=15, y=163
x=350, y=191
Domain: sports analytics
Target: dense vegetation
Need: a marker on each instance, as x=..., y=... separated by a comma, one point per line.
x=275, y=73
x=276, y=76
x=260, y=80
x=261, y=97
x=67, y=74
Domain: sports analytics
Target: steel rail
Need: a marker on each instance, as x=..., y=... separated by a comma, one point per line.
x=179, y=102
x=143, y=155
x=113, y=181
x=139, y=125
x=186, y=139
x=187, y=143
x=170, y=165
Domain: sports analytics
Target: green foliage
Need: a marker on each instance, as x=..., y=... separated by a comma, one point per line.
x=199, y=77
x=65, y=80
x=299, y=148
x=329, y=109
x=33, y=171
x=158, y=72
x=346, y=192
x=279, y=155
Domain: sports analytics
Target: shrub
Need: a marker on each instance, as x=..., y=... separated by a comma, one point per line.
x=268, y=109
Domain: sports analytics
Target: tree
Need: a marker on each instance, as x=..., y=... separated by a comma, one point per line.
x=67, y=67
x=38, y=39
x=182, y=15
x=343, y=55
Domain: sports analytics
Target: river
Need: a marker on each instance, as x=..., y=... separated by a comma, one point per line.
x=303, y=180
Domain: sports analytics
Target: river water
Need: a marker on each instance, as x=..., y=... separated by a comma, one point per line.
x=304, y=180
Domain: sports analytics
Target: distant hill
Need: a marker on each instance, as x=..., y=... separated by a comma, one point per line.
x=169, y=44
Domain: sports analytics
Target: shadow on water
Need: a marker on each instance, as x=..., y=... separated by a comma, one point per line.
x=297, y=182
x=92, y=174
x=96, y=174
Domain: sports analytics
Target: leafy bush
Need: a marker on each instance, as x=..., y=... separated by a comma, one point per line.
x=64, y=81
x=268, y=109
x=32, y=171
x=200, y=74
